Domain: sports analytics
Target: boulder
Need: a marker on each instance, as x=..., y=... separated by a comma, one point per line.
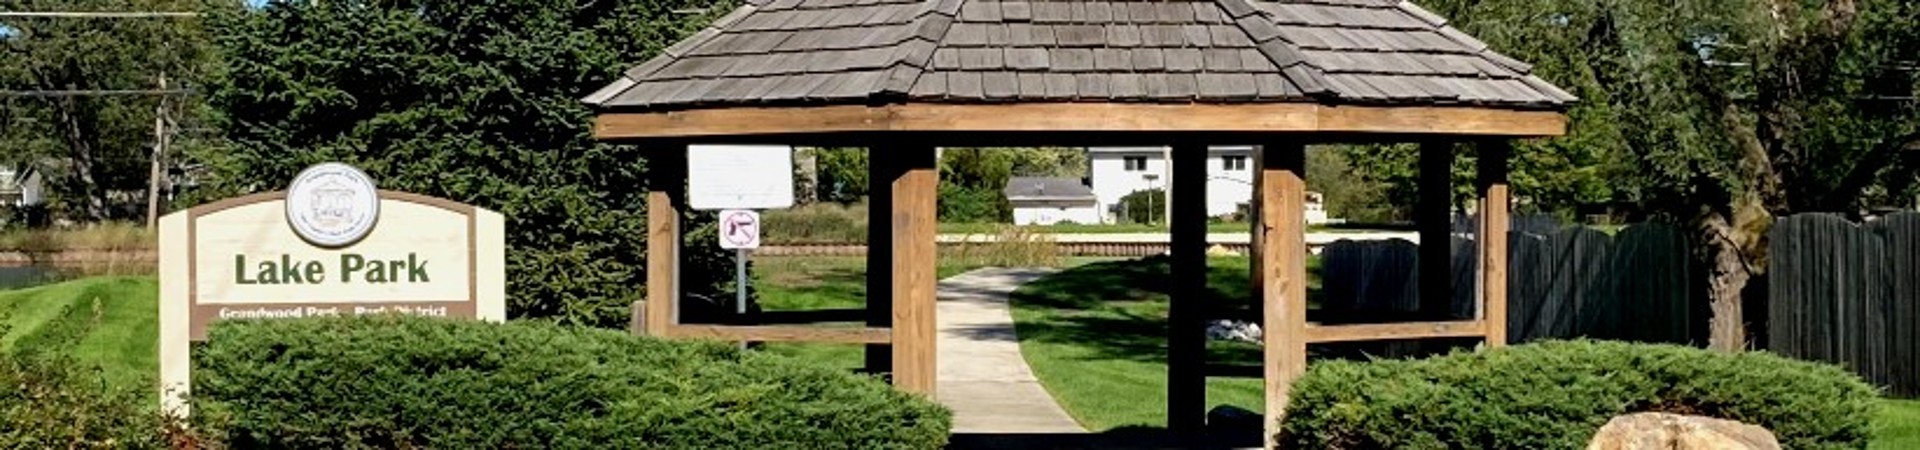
x=1233, y=330
x=1649, y=431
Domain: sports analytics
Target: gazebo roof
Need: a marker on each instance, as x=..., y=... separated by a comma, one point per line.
x=874, y=52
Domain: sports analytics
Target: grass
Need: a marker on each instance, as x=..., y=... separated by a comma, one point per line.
x=1074, y=228
x=1898, y=427
x=107, y=237
x=847, y=223
x=105, y=322
x=1095, y=335
x=820, y=283
x=1136, y=228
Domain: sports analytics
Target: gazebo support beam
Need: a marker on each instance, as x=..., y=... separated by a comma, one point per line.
x=1280, y=196
x=666, y=192
x=1492, y=186
x=910, y=174
x=1082, y=117
x=881, y=172
x=1433, y=214
x=1186, y=323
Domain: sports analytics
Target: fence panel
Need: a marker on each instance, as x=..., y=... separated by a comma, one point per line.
x=1466, y=277
x=1828, y=293
x=1654, y=280
x=1583, y=256
x=1902, y=235
x=1369, y=281
x=1562, y=283
x=1529, y=315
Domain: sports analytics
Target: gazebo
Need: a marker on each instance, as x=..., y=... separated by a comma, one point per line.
x=903, y=77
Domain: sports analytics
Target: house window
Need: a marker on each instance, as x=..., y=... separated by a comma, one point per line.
x=1233, y=163
x=1136, y=163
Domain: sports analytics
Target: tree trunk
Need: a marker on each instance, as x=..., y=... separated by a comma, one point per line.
x=82, y=159
x=1734, y=241
x=1726, y=279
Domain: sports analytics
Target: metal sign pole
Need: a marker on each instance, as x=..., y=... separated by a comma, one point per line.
x=740, y=282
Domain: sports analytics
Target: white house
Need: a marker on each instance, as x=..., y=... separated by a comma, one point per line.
x=20, y=189
x=1048, y=201
x=1118, y=171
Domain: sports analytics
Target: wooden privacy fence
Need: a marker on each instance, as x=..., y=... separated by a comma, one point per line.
x=1848, y=294
x=1638, y=284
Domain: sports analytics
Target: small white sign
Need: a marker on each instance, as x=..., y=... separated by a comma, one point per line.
x=739, y=229
x=739, y=176
x=332, y=205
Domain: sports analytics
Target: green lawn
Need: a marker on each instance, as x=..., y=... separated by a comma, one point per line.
x=1074, y=228
x=1899, y=426
x=104, y=322
x=1095, y=335
x=816, y=283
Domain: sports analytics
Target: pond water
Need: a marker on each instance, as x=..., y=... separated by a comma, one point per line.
x=18, y=277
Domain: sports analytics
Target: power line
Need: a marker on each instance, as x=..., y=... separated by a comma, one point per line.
x=94, y=93
x=97, y=14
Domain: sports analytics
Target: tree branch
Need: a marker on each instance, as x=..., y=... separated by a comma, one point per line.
x=1868, y=167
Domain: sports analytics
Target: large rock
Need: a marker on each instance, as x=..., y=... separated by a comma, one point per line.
x=1663, y=431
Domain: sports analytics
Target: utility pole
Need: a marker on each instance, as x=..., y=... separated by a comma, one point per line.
x=155, y=174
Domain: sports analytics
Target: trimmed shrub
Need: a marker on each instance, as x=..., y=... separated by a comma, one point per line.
x=1557, y=394
x=53, y=403
x=401, y=382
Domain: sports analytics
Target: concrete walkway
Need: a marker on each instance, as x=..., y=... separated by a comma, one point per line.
x=982, y=376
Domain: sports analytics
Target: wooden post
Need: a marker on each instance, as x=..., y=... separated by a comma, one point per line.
x=1186, y=330
x=637, y=318
x=1282, y=195
x=1433, y=215
x=666, y=188
x=156, y=173
x=882, y=169
x=1492, y=174
x=913, y=188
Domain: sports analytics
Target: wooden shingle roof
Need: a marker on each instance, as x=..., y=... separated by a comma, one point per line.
x=816, y=52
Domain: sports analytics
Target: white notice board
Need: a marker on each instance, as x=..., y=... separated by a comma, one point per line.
x=739, y=176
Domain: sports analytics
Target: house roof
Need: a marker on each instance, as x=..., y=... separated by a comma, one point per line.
x=800, y=52
x=1046, y=188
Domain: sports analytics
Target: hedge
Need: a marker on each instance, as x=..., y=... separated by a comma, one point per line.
x=54, y=403
x=394, y=382
x=1557, y=394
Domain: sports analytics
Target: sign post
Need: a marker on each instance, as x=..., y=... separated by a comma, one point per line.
x=740, y=232
x=318, y=250
x=737, y=179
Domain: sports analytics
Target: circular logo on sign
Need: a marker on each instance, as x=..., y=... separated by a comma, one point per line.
x=332, y=205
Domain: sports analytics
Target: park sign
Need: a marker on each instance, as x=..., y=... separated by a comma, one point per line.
x=332, y=244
